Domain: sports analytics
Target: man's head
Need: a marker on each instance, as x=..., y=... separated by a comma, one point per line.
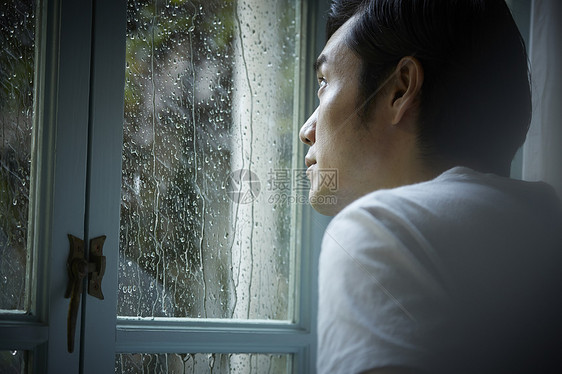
x=459, y=69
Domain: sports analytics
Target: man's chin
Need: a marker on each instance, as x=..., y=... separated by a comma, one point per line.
x=325, y=203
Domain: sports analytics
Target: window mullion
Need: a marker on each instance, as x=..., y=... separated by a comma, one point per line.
x=105, y=136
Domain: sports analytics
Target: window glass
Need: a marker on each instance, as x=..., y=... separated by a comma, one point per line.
x=241, y=363
x=17, y=48
x=209, y=136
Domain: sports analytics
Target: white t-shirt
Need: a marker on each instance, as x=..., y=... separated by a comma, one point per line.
x=446, y=275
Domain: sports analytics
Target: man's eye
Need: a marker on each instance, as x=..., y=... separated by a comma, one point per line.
x=321, y=82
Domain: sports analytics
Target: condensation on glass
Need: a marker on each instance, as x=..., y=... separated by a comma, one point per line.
x=208, y=138
x=13, y=361
x=202, y=363
x=17, y=49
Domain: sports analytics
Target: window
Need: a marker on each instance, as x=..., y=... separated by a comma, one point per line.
x=17, y=43
x=207, y=229
x=170, y=127
x=209, y=117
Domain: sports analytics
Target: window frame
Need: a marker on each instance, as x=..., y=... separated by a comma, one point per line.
x=79, y=105
x=57, y=182
x=180, y=335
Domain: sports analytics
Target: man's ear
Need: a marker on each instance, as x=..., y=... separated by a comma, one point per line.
x=406, y=88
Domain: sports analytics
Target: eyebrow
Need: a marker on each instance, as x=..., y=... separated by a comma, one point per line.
x=319, y=62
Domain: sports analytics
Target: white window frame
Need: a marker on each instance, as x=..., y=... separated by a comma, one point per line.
x=79, y=101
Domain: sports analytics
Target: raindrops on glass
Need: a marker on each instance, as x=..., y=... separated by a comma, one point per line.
x=209, y=90
x=17, y=69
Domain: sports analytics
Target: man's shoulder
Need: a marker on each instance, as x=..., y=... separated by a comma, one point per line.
x=426, y=196
x=462, y=189
x=459, y=209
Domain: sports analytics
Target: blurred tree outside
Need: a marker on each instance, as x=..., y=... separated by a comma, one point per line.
x=178, y=226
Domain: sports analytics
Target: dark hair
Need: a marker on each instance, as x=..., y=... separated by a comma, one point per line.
x=475, y=99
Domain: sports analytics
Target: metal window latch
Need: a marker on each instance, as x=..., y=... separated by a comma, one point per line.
x=78, y=268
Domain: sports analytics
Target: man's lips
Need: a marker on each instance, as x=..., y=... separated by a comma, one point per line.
x=309, y=162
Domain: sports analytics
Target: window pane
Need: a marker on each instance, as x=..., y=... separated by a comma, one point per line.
x=209, y=121
x=200, y=363
x=13, y=362
x=17, y=35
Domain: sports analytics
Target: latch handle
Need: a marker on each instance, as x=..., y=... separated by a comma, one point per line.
x=96, y=267
x=78, y=268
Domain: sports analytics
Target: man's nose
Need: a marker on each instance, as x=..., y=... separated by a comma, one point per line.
x=308, y=130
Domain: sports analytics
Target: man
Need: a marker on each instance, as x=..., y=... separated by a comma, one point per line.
x=436, y=261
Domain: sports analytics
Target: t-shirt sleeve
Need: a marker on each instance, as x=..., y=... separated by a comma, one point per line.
x=377, y=301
